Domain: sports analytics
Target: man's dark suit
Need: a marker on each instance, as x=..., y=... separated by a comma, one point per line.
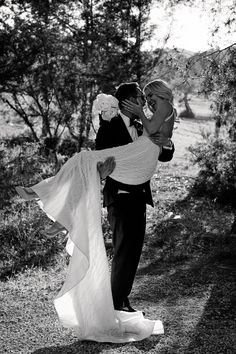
x=126, y=213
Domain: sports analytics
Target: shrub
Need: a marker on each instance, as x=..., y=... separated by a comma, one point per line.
x=15, y=140
x=217, y=161
x=69, y=147
x=23, y=244
x=20, y=165
x=21, y=224
x=22, y=241
x=23, y=164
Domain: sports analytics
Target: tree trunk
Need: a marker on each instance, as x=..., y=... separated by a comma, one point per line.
x=217, y=126
x=232, y=132
x=138, y=43
x=189, y=112
x=83, y=118
x=233, y=227
x=44, y=129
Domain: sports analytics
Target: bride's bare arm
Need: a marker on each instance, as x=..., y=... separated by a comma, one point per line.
x=157, y=121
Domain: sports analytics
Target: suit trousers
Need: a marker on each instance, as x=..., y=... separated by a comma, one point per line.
x=127, y=218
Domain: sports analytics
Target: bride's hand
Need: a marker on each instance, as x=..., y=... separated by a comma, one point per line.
x=136, y=109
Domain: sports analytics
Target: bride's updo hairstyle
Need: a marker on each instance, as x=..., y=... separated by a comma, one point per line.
x=161, y=89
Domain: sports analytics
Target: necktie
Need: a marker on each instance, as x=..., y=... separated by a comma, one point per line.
x=136, y=124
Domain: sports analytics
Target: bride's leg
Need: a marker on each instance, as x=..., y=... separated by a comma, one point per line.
x=55, y=229
x=26, y=193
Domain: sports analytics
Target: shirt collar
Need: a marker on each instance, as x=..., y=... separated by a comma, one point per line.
x=125, y=119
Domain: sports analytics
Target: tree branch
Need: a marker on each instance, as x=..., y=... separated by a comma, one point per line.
x=23, y=115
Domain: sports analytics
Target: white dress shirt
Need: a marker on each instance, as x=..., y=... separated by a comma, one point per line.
x=131, y=129
x=133, y=133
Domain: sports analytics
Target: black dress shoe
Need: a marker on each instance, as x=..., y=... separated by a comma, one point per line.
x=128, y=308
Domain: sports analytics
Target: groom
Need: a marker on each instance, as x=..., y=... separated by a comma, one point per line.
x=126, y=204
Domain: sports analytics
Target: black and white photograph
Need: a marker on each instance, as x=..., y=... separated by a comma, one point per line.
x=117, y=177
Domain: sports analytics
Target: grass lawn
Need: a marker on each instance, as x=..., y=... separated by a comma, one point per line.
x=186, y=277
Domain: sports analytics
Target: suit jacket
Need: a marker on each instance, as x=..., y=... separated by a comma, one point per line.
x=115, y=133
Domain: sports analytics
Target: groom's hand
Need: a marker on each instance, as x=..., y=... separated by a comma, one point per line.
x=107, y=167
x=160, y=139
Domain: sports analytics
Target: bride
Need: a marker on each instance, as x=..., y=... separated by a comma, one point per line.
x=72, y=199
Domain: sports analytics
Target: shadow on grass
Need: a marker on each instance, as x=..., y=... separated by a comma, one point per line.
x=187, y=251
x=189, y=272
x=215, y=332
x=196, y=301
x=186, y=229
x=89, y=347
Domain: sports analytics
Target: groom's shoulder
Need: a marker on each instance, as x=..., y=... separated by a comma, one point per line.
x=116, y=121
x=108, y=127
x=116, y=118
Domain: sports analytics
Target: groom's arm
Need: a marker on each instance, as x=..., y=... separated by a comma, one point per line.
x=167, y=153
x=104, y=137
x=166, y=145
x=104, y=141
x=106, y=168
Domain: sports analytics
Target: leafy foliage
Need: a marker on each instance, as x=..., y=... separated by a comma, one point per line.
x=217, y=177
x=23, y=243
x=58, y=55
x=220, y=84
x=22, y=224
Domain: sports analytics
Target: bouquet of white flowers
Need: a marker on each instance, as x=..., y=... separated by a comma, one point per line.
x=105, y=105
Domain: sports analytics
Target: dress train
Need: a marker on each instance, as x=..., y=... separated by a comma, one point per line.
x=72, y=197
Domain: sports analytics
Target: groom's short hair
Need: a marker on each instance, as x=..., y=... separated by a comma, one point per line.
x=126, y=91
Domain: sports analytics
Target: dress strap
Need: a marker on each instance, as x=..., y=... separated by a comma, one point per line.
x=170, y=116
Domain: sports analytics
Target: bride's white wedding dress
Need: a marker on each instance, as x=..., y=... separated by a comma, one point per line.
x=72, y=197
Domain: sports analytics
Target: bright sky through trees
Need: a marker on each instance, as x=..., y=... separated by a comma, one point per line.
x=190, y=27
